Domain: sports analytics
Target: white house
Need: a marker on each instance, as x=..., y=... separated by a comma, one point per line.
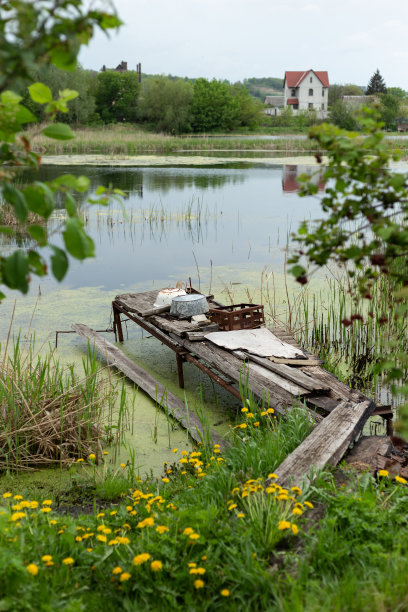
x=307, y=90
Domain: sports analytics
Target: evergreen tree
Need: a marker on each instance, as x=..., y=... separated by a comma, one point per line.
x=376, y=84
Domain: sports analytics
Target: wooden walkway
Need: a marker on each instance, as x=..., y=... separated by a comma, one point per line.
x=337, y=411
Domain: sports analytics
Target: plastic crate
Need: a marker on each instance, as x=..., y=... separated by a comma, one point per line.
x=238, y=316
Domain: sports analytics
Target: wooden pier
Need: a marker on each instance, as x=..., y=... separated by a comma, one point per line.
x=337, y=411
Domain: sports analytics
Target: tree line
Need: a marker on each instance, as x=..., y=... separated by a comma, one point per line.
x=166, y=104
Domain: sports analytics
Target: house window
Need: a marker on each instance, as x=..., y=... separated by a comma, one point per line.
x=293, y=92
x=311, y=80
x=310, y=106
x=310, y=92
x=295, y=106
x=323, y=91
x=322, y=106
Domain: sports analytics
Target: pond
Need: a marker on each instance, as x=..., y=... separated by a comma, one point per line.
x=224, y=226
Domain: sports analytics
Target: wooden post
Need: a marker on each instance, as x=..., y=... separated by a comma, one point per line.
x=180, y=360
x=117, y=324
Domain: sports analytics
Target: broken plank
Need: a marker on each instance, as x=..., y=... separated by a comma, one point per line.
x=296, y=376
x=174, y=406
x=327, y=443
x=228, y=364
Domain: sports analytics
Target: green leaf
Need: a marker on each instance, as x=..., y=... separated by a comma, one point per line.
x=15, y=271
x=58, y=131
x=297, y=271
x=15, y=197
x=59, y=263
x=39, y=199
x=70, y=205
x=36, y=263
x=23, y=115
x=10, y=98
x=39, y=234
x=77, y=242
x=68, y=94
x=40, y=93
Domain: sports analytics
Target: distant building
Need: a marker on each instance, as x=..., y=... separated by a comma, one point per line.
x=290, y=173
x=302, y=91
x=275, y=104
x=121, y=68
x=308, y=90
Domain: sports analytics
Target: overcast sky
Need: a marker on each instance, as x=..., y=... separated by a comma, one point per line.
x=237, y=39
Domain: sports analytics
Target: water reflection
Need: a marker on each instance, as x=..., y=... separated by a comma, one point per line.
x=291, y=172
x=230, y=216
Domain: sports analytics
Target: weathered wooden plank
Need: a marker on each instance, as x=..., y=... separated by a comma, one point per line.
x=339, y=390
x=295, y=375
x=326, y=403
x=175, y=407
x=181, y=327
x=326, y=444
x=138, y=302
x=227, y=363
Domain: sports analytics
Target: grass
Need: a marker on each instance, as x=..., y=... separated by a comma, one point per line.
x=208, y=535
x=129, y=140
x=48, y=414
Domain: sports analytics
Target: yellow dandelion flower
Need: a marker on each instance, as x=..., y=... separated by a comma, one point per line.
x=194, y=536
x=198, y=584
x=46, y=510
x=7, y=494
x=100, y=515
x=243, y=426
x=232, y=506
x=126, y=526
x=53, y=522
x=68, y=561
x=295, y=529
x=16, y=516
x=46, y=558
x=156, y=566
x=113, y=512
x=241, y=515
x=92, y=456
x=188, y=531
x=270, y=411
x=183, y=460
x=17, y=497
x=244, y=409
x=162, y=529
x=282, y=525
x=256, y=424
x=49, y=563
x=32, y=569
x=297, y=512
x=117, y=570
x=174, y=450
x=272, y=475
x=308, y=504
x=142, y=558
x=263, y=413
x=101, y=538
x=125, y=576
x=401, y=480
x=105, y=453
x=79, y=539
x=383, y=473
x=33, y=505
x=184, y=453
x=80, y=460
x=123, y=465
x=113, y=542
x=47, y=502
x=225, y=592
x=204, y=558
x=89, y=549
x=165, y=479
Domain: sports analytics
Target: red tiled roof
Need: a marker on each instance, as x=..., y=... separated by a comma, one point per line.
x=294, y=78
x=293, y=101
